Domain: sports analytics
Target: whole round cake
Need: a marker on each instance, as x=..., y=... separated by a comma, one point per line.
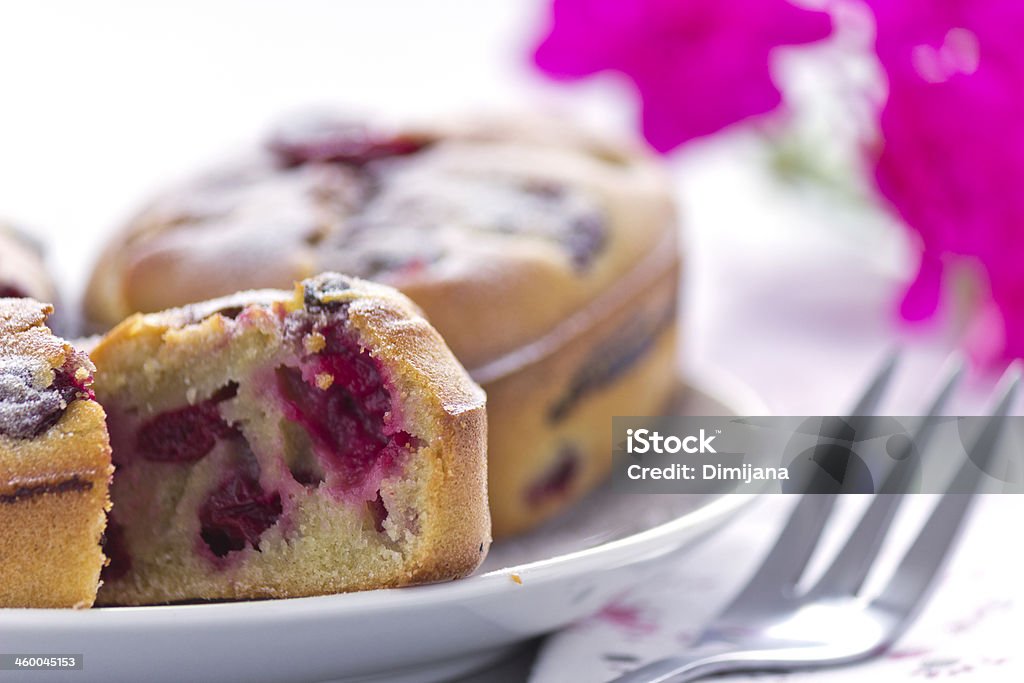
x=546, y=257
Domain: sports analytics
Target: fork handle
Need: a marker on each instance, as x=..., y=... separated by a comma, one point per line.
x=707, y=660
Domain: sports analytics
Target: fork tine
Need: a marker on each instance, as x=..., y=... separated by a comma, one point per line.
x=916, y=573
x=872, y=396
x=850, y=568
x=787, y=559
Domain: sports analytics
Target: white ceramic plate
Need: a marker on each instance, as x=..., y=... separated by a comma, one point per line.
x=568, y=569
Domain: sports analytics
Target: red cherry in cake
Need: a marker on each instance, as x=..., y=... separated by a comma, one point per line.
x=558, y=480
x=71, y=386
x=26, y=411
x=339, y=397
x=11, y=292
x=238, y=512
x=187, y=434
x=330, y=139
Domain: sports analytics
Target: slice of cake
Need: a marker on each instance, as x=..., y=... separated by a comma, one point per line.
x=272, y=444
x=54, y=465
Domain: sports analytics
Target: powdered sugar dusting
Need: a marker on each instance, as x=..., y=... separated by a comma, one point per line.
x=25, y=408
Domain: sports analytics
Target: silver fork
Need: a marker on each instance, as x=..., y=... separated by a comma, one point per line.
x=769, y=626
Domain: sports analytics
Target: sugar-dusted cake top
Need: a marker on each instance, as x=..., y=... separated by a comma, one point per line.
x=40, y=374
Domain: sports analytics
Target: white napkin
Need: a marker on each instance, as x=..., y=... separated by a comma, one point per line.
x=970, y=631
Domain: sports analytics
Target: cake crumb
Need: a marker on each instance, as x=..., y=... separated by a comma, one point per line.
x=516, y=579
x=324, y=380
x=314, y=342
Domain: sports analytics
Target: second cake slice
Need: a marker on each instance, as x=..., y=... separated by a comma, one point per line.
x=277, y=445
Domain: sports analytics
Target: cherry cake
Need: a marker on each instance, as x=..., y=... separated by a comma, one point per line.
x=544, y=254
x=55, y=465
x=277, y=444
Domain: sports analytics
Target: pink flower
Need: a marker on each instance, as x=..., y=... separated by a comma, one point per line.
x=952, y=160
x=698, y=65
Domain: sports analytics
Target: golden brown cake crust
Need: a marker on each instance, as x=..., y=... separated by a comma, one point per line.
x=54, y=484
x=431, y=393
